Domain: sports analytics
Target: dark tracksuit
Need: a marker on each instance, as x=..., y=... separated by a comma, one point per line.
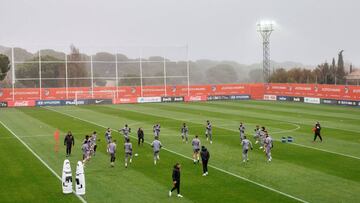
x=176, y=177
x=69, y=142
x=140, y=136
x=317, y=132
x=205, y=156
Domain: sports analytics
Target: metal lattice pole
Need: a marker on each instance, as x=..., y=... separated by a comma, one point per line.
x=265, y=29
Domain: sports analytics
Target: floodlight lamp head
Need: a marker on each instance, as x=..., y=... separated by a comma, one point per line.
x=265, y=26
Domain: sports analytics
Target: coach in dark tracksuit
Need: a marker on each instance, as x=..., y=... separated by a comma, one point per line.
x=69, y=142
x=317, y=130
x=176, y=180
x=140, y=134
x=205, y=156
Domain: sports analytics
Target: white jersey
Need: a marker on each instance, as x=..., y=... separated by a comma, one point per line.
x=196, y=143
x=156, y=145
x=246, y=144
x=268, y=142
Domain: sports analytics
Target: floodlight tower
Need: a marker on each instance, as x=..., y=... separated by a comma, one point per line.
x=265, y=28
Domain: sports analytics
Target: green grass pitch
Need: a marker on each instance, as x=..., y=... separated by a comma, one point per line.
x=300, y=172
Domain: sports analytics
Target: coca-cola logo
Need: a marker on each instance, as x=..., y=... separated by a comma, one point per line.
x=21, y=103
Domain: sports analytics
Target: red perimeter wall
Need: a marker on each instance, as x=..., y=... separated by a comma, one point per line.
x=257, y=91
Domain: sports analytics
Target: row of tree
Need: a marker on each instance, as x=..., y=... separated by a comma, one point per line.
x=324, y=73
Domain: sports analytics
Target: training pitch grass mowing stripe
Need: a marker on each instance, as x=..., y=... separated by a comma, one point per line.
x=216, y=168
x=39, y=158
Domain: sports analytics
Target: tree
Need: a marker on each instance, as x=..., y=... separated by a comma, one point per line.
x=4, y=66
x=340, y=71
x=222, y=73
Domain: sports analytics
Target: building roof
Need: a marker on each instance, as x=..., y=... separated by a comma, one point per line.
x=354, y=75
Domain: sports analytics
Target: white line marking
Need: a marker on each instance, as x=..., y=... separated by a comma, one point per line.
x=216, y=168
x=28, y=136
x=40, y=159
x=300, y=145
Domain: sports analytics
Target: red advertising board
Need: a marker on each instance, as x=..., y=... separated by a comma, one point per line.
x=125, y=100
x=315, y=90
x=19, y=103
x=257, y=91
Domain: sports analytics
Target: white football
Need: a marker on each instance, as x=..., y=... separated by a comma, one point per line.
x=136, y=155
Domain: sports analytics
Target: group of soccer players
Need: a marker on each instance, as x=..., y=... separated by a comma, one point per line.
x=199, y=151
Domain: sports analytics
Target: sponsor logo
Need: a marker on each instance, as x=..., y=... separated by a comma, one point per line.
x=270, y=97
x=228, y=97
x=49, y=103
x=125, y=100
x=213, y=88
x=178, y=99
x=21, y=103
x=74, y=102
x=3, y=104
x=298, y=99
x=328, y=101
x=282, y=98
x=312, y=100
x=347, y=103
x=148, y=99
x=98, y=101
x=196, y=98
x=166, y=99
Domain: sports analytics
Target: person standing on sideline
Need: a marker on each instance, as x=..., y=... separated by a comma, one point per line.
x=69, y=142
x=246, y=144
x=205, y=156
x=196, y=148
x=112, y=150
x=317, y=130
x=208, y=131
x=176, y=180
x=140, y=134
x=242, y=131
x=156, y=145
x=128, y=152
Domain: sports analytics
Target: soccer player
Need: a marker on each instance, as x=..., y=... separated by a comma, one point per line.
x=128, y=152
x=69, y=142
x=112, y=150
x=257, y=134
x=208, y=131
x=86, y=151
x=184, y=133
x=196, y=148
x=93, y=143
x=268, y=146
x=125, y=131
x=108, y=135
x=176, y=180
x=140, y=134
x=156, y=130
x=262, y=137
x=242, y=131
x=156, y=145
x=246, y=144
x=205, y=156
x=317, y=130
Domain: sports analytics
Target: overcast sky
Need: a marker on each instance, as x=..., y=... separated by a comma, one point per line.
x=308, y=31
